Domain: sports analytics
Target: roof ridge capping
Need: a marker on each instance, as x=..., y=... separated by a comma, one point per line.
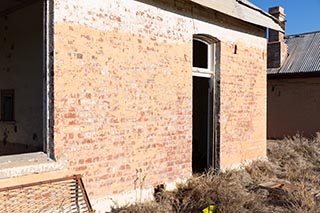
x=243, y=10
x=301, y=34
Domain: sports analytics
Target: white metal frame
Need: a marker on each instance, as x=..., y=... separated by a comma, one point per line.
x=202, y=72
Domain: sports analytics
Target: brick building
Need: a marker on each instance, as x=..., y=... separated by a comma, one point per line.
x=131, y=93
x=293, y=83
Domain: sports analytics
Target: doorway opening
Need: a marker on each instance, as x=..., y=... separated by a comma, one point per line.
x=205, y=103
x=23, y=76
x=202, y=122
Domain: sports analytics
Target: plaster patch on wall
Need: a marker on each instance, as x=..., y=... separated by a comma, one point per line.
x=130, y=17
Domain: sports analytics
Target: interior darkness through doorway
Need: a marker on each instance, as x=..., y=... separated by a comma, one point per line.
x=202, y=124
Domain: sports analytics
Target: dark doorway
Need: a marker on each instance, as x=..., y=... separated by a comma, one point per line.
x=202, y=124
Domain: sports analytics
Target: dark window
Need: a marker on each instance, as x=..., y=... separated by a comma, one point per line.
x=200, y=54
x=7, y=105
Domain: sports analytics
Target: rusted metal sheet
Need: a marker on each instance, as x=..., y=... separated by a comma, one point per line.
x=243, y=10
x=303, y=54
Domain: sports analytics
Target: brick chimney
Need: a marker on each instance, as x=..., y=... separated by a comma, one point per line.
x=277, y=49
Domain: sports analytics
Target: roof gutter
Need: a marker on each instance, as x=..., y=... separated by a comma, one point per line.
x=243, y=10
x=254, y=7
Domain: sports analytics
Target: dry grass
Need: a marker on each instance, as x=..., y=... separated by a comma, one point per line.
x=294, y=163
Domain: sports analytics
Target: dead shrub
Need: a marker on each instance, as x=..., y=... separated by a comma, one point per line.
x=224, y=190
x=293, y=162
x=144, y=208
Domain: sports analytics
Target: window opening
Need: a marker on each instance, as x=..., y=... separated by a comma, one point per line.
x=7, y=105
x=200, y=54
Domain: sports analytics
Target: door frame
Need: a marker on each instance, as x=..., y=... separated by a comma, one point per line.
x=213, y=72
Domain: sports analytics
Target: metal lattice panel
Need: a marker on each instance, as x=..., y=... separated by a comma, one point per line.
x=59, y=195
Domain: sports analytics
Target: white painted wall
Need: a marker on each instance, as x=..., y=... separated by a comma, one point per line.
x=21, y=70
x=83, y=12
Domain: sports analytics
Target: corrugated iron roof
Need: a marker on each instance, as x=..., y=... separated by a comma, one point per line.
x=243, y=10
x=303, y=54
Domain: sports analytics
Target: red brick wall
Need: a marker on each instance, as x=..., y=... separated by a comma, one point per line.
x=122, y=108
x=123, y=92
x=243, y=103
x=122, y=103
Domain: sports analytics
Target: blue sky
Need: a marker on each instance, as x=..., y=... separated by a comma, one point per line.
x=302, y=16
